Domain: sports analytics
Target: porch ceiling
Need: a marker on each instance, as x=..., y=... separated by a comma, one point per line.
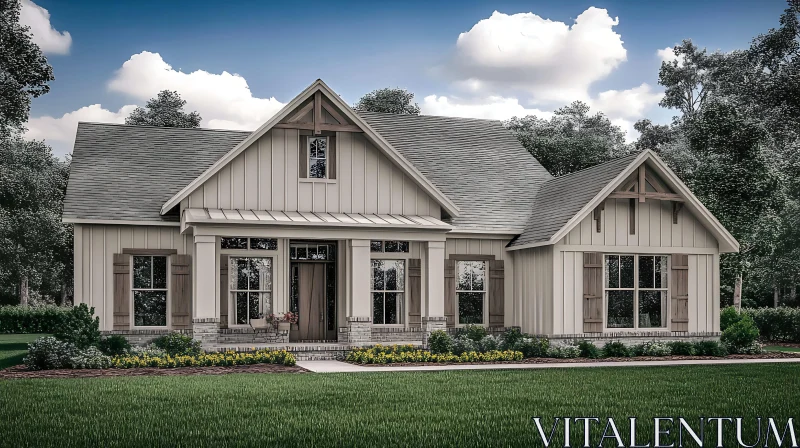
x=280, y=218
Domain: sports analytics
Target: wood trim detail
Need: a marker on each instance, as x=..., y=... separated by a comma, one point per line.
x=679, y=293
x=450, y=292
x=150, y=251
x=632, y=216
x=223, y=291
x=122, y=291
x=592, y=292
x=415, y=292
x=303, y=165
x=181, y=291
x=598, y=216
x=497, y=295
x=468, y=257
x=332, y=157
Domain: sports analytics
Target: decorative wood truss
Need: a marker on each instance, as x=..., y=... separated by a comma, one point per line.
x=641, y=187
x=309, y=116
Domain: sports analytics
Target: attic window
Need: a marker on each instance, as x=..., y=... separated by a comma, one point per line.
x=317, y=157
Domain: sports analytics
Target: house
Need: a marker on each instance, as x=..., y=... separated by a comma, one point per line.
x=378, y=228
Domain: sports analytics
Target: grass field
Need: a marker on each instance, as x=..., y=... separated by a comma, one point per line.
x=467, y=408
x=13, y=348
x=781, y=348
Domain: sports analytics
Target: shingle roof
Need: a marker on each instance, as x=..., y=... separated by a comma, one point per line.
x=563, y=197
x=122, y=172
x=478, y=164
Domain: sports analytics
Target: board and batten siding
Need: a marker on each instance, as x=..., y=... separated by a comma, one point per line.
x=95, y=246
x=532, y=288
x=265, y=177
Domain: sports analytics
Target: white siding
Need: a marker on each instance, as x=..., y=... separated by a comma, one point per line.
x=532, y=289
x=265, y=177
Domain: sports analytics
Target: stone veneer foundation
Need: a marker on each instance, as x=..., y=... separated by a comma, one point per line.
x=357, y=331
x=634, y=337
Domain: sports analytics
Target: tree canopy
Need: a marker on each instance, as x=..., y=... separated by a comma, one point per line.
x=388, y=100
x=165, y=110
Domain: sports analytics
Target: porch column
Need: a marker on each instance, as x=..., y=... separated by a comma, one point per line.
x=434, y=318
x=359, y=319
x=205, y=309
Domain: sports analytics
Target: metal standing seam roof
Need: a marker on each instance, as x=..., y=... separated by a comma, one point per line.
x=561, y=198
x=274, y=217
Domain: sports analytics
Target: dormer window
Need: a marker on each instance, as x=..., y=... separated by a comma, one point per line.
x=317, y=157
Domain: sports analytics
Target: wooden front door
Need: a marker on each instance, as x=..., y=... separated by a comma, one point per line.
x=311, y=301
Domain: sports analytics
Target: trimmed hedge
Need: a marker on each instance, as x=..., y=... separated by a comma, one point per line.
x=206, y=360
x=407, y=353
x=32, y=319
x=780, y=324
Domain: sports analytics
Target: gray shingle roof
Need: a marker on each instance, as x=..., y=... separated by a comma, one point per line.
x=124, y=172
x=476, y=163
x=563, y=197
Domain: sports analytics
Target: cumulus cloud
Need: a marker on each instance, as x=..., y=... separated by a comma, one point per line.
x=493, y=108
x=45, y=36
x=59, y=132
x=667, y=54
x=551, y=60
x=630, y=103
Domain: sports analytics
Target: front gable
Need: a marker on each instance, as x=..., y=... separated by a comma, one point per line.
x=270, y=169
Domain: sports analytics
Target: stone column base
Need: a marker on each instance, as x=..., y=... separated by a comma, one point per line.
x=431, y=324
x=206, y=330
x=357, y=331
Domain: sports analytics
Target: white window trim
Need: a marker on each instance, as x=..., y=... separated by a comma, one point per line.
x=327, y=162
x=404, y=256
x=241, y=253
x=132, y=306
x=485, y=291
x=636, y=290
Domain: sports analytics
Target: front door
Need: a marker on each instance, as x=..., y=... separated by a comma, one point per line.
x=311, y=301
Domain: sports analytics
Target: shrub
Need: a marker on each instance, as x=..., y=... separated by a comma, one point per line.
x=79, y=327
x=440, y=342
x=776, y=324
x=510, y=338
x=114, y=345
x=740, y=334
x=48, y=353
x=473, y=332
x=564, y=351
x=727, y=317
x=32, y=319
x=489, y=343
x=150, y=351
x=409, y=354
x=615, y=349
x=89, y=358
x=709, y=348
x=177, y=344
x=681, y=348
x=588, y=349
x=206, y=360
x=652, y=348
x=462, y=344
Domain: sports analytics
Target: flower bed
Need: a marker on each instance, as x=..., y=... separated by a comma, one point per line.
x=229, y=358
x=409, y=354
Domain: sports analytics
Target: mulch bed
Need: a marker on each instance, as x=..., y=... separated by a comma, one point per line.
x=769, y=355
x=20, y=371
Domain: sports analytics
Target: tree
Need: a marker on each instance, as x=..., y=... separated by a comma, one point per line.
x=24, y=71
x=571, y=140
x=165, y=110
x=687, y=79
x=32, y=236
x=390, y=101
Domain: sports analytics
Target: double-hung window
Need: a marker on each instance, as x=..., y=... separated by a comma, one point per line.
x=388, y=291
x=318, y=157
x=636, y=291
x=471, y=291
x=250, y=287
x=149, y=291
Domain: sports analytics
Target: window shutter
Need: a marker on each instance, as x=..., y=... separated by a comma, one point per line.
x=224, y=300
x=497, y=296
x=592, y=292
x=414, y=292
x=331, y=157
x=181, y=291
x=680, y=293
x=450, y=292
x=122, y=291
x=303, y=173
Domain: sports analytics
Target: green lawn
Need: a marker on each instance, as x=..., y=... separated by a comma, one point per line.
x=780, y=348
x=466, y=408
x=13, y=348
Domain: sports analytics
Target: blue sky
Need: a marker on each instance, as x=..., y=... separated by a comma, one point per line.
x=277, y=50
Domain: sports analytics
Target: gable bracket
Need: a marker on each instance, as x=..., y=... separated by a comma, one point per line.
x=597, y=215
x=676, y=208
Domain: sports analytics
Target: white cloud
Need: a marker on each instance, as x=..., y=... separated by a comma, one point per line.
x=667, y=54
x=493, y=108
x=59, y=132
x=551, y=60
x=223, y=100
x=630, y=103
x=631, y=134
x=44, y=35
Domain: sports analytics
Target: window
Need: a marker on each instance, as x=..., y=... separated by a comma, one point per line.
x=317, y=157
x=250, y=287
x=149, y=291
x=255, y=243
x=312, y=251
x=631, y=303
x=388, y=246
x=471, y=291
x=388, y=287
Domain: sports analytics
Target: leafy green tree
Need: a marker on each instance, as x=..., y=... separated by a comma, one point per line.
x=388, y=100
x=571, y=140
x=165, y=110
x=24, y=71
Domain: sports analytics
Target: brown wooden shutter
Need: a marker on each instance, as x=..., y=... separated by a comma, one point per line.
x=592, y=292
x=122, y=291
x=181, y=291
x=497, y=295
x=415, y=292
x=450, y=292
x=223, y=291
x=680, y=293
x=331, y=157
x=303, y=170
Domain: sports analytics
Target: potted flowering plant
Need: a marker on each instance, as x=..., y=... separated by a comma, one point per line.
x=287, y=321
x=258, y=321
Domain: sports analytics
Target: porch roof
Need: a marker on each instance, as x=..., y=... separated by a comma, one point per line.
x=284, y=218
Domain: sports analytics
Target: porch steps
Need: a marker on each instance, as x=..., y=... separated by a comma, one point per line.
x=303, y=351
